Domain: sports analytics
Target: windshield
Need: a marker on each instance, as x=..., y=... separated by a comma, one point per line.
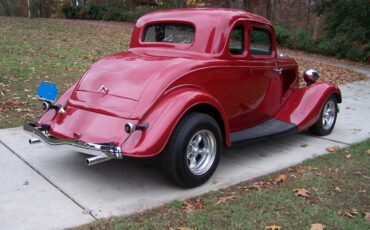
x=172, y=33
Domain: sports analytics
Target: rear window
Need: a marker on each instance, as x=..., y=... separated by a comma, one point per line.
x=171, y=33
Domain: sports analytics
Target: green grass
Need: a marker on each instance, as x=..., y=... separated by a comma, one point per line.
x=277, y=204
x=32, y=50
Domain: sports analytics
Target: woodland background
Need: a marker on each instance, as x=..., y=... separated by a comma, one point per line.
x=331, y=27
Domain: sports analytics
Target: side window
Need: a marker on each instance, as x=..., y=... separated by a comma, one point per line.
x=236, y=44
x=260, y=42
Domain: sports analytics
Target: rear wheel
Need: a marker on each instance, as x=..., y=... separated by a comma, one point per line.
x=193, y=151
x=328, y=117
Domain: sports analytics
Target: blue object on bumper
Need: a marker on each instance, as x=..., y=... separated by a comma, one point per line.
x=47, y=91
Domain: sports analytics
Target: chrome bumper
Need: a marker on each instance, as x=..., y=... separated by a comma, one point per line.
x=102, y=150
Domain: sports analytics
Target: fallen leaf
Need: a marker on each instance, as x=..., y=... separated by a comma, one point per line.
x=301, y=192
x=351, y=213
x=331, y=149
x=223, y=199
x=319, y=173
x=260, y=185
x=337, y=189
x=280, y=179
x=304, y=145
x=273, y=227
x=348, y=156
x=184, y=228
x=368, y=152
x=317, y=226
x=361, y=174
x=199, y=204
x=367, y=216
x=188, y=207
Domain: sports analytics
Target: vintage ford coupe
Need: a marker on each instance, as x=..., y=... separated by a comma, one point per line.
x=192, y=82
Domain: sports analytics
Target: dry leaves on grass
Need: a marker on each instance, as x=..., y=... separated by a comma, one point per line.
x=260, y=185
x=317, y=226
x=183, y=228
x=273, y=227
x=224, y=199
x=337, y=189
x=351, y=213
x=280, y=178
x=367, y=216
x=348, y=156
x=188, y=207
x=368, y=152
x=301, y=192
x=332, y=149
x=362, y=175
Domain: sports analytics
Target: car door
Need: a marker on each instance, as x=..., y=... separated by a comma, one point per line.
x=262, y=62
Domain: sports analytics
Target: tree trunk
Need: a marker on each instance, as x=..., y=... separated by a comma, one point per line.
x=179, y=3
x=315, y=34
x=5, y=5
x=28, y=8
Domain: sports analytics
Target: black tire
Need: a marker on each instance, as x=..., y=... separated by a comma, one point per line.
x=174, y=159
x=319, y=128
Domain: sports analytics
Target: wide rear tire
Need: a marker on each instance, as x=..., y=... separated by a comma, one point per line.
x=192, y=154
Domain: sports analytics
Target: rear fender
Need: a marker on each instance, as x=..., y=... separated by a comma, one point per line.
x=304, y=106
x=163, y=118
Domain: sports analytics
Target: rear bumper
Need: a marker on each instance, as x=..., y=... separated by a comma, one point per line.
x=103, y=150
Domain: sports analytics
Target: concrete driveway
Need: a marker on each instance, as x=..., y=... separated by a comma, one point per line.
x=43, y=188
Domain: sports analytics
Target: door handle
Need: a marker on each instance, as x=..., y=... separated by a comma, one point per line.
x=278, y=70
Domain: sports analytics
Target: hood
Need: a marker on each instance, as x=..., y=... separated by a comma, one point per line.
x=115, y=84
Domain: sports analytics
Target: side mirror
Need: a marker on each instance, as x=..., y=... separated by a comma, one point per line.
x=310, y=76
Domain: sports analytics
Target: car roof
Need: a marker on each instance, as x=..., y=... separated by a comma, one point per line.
x=197, y=15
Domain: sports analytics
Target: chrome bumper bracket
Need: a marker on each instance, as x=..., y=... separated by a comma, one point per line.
x=103, y=150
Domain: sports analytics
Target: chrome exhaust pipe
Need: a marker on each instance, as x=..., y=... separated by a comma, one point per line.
x=96, y=160
x=33, y=141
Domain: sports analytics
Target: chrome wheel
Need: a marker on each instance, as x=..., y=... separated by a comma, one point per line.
x=328, y=116
x=201, y=152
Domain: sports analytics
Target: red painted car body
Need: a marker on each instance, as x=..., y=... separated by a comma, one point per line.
x=156, y=83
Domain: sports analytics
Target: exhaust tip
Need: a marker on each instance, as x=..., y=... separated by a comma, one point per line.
x=33, y=141
x=96, y=160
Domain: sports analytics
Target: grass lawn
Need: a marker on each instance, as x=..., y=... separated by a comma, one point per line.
x=338, y=186
x=33, y=50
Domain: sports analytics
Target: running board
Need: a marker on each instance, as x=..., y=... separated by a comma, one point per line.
x=267, y=129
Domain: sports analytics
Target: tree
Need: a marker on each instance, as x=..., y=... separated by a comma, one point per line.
x=5, y=5
x=347, y=26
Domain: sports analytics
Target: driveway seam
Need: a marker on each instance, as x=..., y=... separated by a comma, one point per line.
x=47, y=179
x=328, y=139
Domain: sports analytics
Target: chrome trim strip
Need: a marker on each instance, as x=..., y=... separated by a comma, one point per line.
x=103, y=150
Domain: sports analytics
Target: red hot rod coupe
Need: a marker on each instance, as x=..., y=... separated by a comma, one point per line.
x=192, y=81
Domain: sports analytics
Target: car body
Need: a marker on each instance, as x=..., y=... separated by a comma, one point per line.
x=219, y=63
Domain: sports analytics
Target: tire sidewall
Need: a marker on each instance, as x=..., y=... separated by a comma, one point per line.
x=196, y=123
x=322, y=129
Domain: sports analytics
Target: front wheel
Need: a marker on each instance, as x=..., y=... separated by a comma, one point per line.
x=193, y=151
x=328, y=116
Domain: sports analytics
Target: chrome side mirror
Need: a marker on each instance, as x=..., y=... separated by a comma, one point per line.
x=310, y=76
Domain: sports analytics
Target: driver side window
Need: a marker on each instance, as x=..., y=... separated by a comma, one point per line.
x=260, y=42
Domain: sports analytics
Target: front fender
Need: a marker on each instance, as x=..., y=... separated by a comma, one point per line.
x=163, y=118
x=304, y=106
